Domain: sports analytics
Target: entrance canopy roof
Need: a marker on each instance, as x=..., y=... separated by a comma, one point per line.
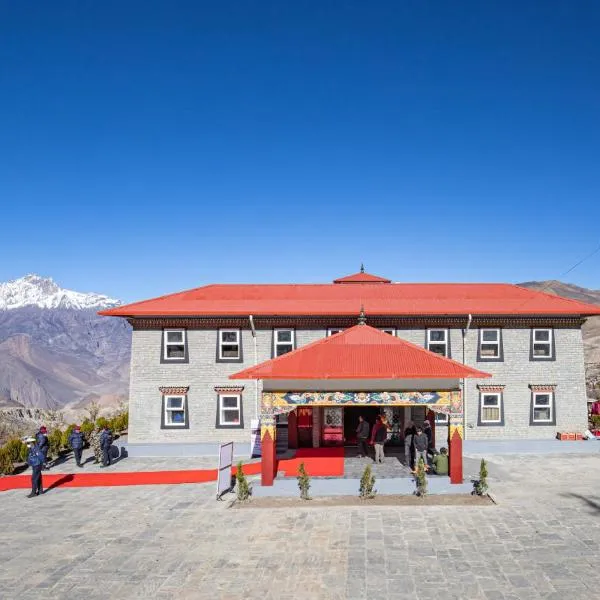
x=361, y=352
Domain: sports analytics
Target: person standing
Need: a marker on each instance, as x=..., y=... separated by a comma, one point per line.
x=379, y=439
x=409, y=433
x=35, y=459
x=362, y=435
x=76, y=442
x=421, y=444
x=429, y=433
x=41, y=439
x=106, y=439
x=95, y=444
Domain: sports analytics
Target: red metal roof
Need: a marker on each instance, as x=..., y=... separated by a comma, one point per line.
x=360, y=352
x=362, y=277
x=397, y=299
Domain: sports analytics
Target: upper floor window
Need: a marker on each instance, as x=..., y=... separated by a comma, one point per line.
x=174, y=345
x=542, y=344
x=230, y=345
x=490, y=344
x=389, y=330
x=334, y=330
x=229, y=411
x=283, y=341
x=175, y=411
x=437, y=341
x=542, y=407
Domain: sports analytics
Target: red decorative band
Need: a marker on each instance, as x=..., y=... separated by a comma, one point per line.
x=229, y=388
x=543, y=388
x=177, y=391
x=491, y=388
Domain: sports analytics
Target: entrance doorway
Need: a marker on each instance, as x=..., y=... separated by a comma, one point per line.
x=304, y=417
x=351, y=414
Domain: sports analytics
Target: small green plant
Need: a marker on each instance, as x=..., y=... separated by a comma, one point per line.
x=16, y=448
x=242, y=488
x=303, y=483
x=65, y=437
x=367, y=484
x=421, y=479
x=480, y=487
x=6, y=462
x=86, y=428
x=102, y=422
x=595, y=421
x=55, y=442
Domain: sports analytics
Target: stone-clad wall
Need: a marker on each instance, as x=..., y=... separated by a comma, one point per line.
x=203, y=373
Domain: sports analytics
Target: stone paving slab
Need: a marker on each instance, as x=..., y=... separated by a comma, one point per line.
x=542, y=540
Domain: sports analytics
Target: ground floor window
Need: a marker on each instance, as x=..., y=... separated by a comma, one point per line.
x=490, y=408
x=175, y=412
x=542, y=408
x=441, y=418
x=229, y=411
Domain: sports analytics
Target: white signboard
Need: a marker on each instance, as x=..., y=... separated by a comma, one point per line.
x=255, y=449
x=225, y=463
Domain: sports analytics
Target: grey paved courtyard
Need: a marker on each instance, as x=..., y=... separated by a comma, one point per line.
x=540, y=541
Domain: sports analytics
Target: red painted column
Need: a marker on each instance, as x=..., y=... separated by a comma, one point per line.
x=268, y=459
x=431, y=419
x=292, y=430
x=455, y=455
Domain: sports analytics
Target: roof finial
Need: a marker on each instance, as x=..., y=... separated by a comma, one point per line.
x=362, y=267
x=362, y=318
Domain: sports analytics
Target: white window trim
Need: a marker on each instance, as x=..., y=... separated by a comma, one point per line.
x=277, y=343
x=550, y=406
x=166, y=343
x=330, y=330
x=222, y=409
x=170, y=410
x=390, y=330
x=441, y=418
x=499, y=406
x=436, y=342
x=238, y=342
x=488, y=343
x=548, y=343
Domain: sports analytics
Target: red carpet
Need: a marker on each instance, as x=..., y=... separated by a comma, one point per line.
x=318, y=462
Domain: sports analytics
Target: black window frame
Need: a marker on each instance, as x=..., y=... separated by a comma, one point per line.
x=274, y=342
x=163, y=347
x=500, y=357
x=163, y=420
x=233, y=360
x=218, y=424
x=447, y=344
x=552, y=356
x=552, y=422
x=480, y=421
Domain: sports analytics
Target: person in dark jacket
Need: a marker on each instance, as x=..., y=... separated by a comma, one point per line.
x=428, y=432
x=421, y=444
x=76, y=442
x=362, y=435
x=106, y=439
x=379, y=438
x=35, y=459
x=41, y=439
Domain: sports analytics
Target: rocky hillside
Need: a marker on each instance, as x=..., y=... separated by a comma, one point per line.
x=591, y=329
x=55, y=351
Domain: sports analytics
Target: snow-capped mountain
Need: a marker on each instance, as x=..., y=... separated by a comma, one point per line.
x=44, y=292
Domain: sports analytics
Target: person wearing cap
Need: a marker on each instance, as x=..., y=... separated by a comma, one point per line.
x=76, y=442
x=35, y=459
x=41, y=439
x=106, y=439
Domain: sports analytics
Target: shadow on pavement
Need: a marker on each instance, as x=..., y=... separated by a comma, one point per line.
x=593, y=503
x=59, y=482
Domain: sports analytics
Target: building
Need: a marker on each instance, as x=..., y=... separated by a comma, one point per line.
x=483, y=361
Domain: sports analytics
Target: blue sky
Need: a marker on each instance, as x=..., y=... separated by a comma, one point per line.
x=147, y=147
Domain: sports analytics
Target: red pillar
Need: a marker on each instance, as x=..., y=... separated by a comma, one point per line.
x=292, y=430
x=431, y=419
x=455, y=455
x=268, y=459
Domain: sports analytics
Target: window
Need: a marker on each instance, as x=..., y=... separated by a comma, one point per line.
x=175, y=412
x=229, y=411
x=441, y=418
x=230, y=348
x=174, y=345
x=389, y=330
x=542, y=410
x=491, y=408
x=490, y=344
x=437, y=341
x=334, y=330
x=283, y=341
x=542, y=344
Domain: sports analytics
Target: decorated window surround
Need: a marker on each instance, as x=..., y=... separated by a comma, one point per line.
x=489, y=391
x=537, y=392
x=222, y=421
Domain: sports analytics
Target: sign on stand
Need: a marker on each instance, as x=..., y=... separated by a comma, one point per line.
x=255, y=449
x=225, y=464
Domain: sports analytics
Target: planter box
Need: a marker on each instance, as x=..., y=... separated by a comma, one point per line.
x=579, y=436
x=562, y=436
x=571, y=437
